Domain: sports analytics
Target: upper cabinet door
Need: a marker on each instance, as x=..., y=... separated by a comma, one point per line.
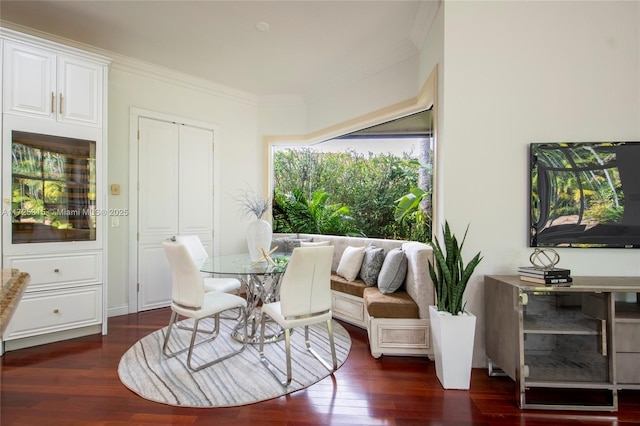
x=39, y=82
x=79, y=91
x=29, y=80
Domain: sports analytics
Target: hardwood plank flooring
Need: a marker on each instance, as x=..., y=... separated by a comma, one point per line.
x=75, y=382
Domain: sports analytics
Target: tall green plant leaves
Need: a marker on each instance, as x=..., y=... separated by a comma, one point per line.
x=449, y=274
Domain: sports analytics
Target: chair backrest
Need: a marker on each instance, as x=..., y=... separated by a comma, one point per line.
x=194, y=246
x=187, y=284
x=306, y=285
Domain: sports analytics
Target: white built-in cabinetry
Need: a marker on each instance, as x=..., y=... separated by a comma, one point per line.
x=54, y=110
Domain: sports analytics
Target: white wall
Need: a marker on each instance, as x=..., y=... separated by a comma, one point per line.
x=522, y=72
x=236, y=146
x=395, y=84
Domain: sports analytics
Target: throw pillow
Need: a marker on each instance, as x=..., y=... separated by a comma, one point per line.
x=314, y=243
x=393, y=272
x=371, y=265
x=279, y=243
x=291, y=243
x=350, y=263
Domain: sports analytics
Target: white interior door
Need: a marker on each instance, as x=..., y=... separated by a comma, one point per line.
x=175, y=196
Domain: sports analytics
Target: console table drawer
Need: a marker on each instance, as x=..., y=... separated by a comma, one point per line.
x=55, y=310
x=48, y=272
x=627, y=336
x=627, y=366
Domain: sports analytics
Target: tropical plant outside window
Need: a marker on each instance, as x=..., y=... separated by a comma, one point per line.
x=53, y=188
x=373, y=183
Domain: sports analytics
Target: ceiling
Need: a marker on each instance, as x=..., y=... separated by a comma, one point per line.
x=310, y=46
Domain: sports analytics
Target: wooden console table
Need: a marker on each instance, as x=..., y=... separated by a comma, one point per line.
x=567, y=348
x=12, y=285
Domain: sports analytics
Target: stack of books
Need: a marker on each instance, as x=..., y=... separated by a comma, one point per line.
x=557, y=277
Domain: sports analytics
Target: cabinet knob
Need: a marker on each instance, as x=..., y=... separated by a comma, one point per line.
x=56, y=270
x=56, y=311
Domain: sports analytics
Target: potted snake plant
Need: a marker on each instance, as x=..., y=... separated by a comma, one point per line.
x=453, y=328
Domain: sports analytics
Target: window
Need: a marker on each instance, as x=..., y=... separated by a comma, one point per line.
x=376, y=182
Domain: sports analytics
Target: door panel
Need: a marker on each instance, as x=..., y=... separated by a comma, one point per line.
x=29, y=81
x=175, y=196
x=80, y=97
x=196, y=181
x=154, y=275
x=158, y=180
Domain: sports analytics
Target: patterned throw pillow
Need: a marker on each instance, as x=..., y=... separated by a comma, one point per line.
x=350, y=263
x=371, y=265
x=291, y=243
x=393, y=272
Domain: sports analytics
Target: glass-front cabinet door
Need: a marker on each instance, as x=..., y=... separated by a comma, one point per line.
x=565, y=344
x=51, y=188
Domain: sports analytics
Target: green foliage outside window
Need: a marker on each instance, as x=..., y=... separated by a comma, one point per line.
x=347, y=193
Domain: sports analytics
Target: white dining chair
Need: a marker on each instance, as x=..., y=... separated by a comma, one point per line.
x=305, y=299
x=189, y=299
x=199, y=254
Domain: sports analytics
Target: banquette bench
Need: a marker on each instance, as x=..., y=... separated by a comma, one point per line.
x=397, y=323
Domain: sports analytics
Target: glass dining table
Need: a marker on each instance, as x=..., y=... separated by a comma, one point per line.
x=261, y=281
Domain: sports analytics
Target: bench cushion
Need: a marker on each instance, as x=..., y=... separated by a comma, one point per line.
x=394, y=305
x=354, y=288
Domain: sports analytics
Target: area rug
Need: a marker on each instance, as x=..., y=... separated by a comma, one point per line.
x=239, y=380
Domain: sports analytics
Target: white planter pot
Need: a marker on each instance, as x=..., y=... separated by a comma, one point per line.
x=453, y=347
x=258, y=237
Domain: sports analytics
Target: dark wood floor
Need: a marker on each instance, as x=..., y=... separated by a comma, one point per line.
x=76, y=383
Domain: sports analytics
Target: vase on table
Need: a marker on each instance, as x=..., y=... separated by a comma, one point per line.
x=259, y=236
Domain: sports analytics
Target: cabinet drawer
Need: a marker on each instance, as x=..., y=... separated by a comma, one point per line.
x=347, y=307
x=55, y=310
x=627, y=336
x=627, y=367
x=49, y=272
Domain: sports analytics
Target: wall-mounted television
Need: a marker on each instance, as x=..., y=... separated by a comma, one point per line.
x=584, y=194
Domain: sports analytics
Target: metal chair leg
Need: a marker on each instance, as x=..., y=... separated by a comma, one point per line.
x=222, y=358
x=192, y=344
x=214, y=331
x=287, y=342
x=331, y=344
x=270, y=368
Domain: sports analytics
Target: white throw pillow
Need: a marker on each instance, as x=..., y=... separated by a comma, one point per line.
x=350, y=263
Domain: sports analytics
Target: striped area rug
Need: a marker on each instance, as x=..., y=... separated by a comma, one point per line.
x=239, y=380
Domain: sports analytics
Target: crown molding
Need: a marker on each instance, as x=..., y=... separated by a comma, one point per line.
x=134, y=66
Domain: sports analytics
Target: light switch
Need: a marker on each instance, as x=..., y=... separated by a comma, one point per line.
x=115, y=189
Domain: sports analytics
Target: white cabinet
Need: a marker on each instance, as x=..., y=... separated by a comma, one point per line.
x=40, y=82
x=54, y=195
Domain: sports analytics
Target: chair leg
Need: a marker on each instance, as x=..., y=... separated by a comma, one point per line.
x=287, y=343
x=172, y=320
x=331, y=344
x=222, y=358
x=266, y=362
x=214, y=331
x=194, y=331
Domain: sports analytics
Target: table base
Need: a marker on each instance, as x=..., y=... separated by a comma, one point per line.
x=273, y=332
